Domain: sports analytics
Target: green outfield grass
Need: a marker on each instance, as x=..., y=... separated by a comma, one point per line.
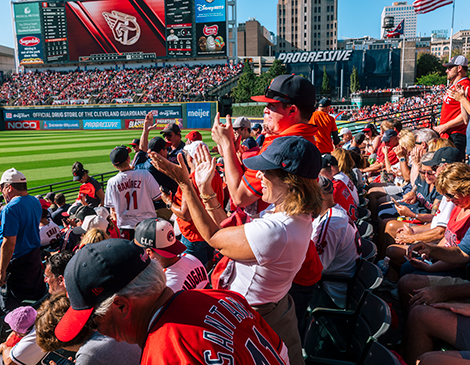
x=46, y=157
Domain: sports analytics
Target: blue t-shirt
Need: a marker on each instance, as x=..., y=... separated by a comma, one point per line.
x=465, y=243
x=20, y=218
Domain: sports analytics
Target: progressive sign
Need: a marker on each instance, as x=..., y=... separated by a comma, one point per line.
x=315, y=56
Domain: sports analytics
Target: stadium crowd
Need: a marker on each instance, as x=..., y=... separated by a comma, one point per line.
x=188, y=259
x=165, y=84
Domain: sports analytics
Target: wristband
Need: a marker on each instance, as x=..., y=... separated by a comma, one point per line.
x=168, y=206
x=402, y=159
x=416, y=216
x=206, y=198
x=211, y=209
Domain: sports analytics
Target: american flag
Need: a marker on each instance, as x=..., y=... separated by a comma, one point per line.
x=425, y=6
x=397, y=31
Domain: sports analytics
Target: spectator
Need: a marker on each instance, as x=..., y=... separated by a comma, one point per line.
x=138, y=157
x=193, y=136
x=347, y=137
x=172, y=134
x=49, y=232
x=183, y=271
x=242, y=130
x=257, y=131
x=93, y=235
x=20, y=260
x=62, y=207
x=327, y=129
x=54, y=271
x=126, y=308
x=90, y=192
x=50, y=199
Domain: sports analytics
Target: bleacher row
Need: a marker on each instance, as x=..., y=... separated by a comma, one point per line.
x=145, y=84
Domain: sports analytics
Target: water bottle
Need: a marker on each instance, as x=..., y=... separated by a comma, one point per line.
x=384, y=264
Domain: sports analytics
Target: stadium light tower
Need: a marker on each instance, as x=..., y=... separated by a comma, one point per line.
x=232, y=28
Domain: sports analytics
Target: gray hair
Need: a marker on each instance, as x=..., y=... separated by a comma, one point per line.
x=149, y=282
x=426, y=157
x=425, y=135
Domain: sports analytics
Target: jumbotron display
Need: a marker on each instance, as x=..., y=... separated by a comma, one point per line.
x=51, y=32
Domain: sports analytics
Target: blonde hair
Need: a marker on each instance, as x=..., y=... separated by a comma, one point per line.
x=345, y=161
x=386, y=125
x=407, y=139
x=438, y=143
x=303, y=194
x=454, y=179
x=94, y=235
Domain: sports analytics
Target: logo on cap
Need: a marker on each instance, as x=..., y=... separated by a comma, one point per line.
x=97, y=291
x=144, y=256
x=171, y=236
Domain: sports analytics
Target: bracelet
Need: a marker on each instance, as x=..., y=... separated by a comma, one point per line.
x=169, y=205
x=206, y=198
x=416, y=216
x=211, y=209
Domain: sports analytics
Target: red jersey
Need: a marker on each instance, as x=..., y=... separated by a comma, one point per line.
x=221, y=329
x=456, y=229
x=451, y=110
x=392, y=157
x=249, y=178
x=326, y=125
x=188, y=229
x=342, y=196
x=310, y=271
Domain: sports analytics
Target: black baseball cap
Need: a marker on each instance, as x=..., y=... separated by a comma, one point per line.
x=359, y=138
x=135, y=142
x=158, y=234
x=72, y=210
x=257, y=126
x=171, y=127
x=292, y=154
x=156, y=144
x=445, y=155
x=328, y=160
x=369, y=127
x=324, y=102
x=119, y=155
x=82, y=212
x=389, y=134
x=95, y=273
x=77, y=175
x=289, y=89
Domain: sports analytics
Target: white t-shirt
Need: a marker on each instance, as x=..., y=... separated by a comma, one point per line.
x=27, y=351
x=187, y=273
x=348, y=182
x=337, y=242
x=131, y=193
x=442, y=216
x=279, y=243
x=49, y=233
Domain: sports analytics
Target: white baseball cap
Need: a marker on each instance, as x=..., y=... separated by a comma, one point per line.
x=344, y=131
x=191, y=148
x=91, y=221
x=12, y=176
x=102, y=212
x=158, y=234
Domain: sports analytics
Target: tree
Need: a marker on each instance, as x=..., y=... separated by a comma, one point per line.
x=325, y=85
x=431, y=79
x=265, y=79
x=354, y=80
x=428, y=63
x=246, y=85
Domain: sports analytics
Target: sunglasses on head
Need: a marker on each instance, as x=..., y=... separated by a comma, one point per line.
x=269, y=93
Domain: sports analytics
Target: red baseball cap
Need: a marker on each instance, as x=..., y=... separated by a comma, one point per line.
x=194, y=136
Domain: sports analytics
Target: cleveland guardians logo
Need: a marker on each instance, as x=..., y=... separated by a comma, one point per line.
x=125, y=28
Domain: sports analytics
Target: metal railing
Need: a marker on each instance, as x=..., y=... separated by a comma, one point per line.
x=70, y=188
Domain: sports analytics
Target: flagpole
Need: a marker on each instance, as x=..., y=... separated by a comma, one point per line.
x=452, y=29
x=402, y=60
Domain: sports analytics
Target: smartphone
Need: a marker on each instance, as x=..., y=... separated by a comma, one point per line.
x=165, y=190
x=57, y=358
x=395, y=201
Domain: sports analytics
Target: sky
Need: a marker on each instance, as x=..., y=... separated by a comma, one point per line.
x=356, y=18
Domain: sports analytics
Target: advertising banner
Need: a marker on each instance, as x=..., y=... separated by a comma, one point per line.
x=30, y=50
x=161, y=123
x=198, y=115
x=27, y=19
x=211, y=39
x=61, y=124
x=179, y=27
x=210, y=11
x=23, y=125
x=102, y=124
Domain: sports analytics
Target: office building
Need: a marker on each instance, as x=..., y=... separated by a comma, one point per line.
x=400, y=10
x=254, y=40
x=307, y=25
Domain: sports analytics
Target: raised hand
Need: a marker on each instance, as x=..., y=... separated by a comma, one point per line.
x=205, y=168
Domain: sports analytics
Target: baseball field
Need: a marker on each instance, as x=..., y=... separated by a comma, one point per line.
x=46, y=157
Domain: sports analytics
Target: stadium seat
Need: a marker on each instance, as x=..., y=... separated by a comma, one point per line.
x=369, y=250
x=344, y=334
x=363, y=213
x=365, y=229
x=363, y=202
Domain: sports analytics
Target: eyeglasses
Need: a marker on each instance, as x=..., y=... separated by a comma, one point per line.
x=431, y=173
x=269, y=93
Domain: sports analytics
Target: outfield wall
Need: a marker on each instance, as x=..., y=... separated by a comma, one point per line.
x=190, y=115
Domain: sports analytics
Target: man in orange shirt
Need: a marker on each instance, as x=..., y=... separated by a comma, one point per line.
x=291, y=102
x=326, y=127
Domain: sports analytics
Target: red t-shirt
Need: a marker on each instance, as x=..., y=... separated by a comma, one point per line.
x=456, y=230
x=249, y=178
x=451, y=109
x=310, y=271
x=342, y=196
x=188, y=229
x=211, y=327
x=392, y=157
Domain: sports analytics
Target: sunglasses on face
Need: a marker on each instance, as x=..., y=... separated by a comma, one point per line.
x=272, y=93
x=430, y=173
x=449, y=196
x=168, y=135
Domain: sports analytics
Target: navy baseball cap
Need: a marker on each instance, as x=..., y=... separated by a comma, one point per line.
x=156, y=144
x=445, y=155
x=257, y=126
x=135, y=142
x=389, y=134
x=77, y=175
x=289, y=89
x=292, y=154
x=119, y=155
x=328, y=160
x=95, y=273
x=324, y=102
x=369, y=127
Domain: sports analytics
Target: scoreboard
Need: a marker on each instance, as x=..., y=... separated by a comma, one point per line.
x=62, y=31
